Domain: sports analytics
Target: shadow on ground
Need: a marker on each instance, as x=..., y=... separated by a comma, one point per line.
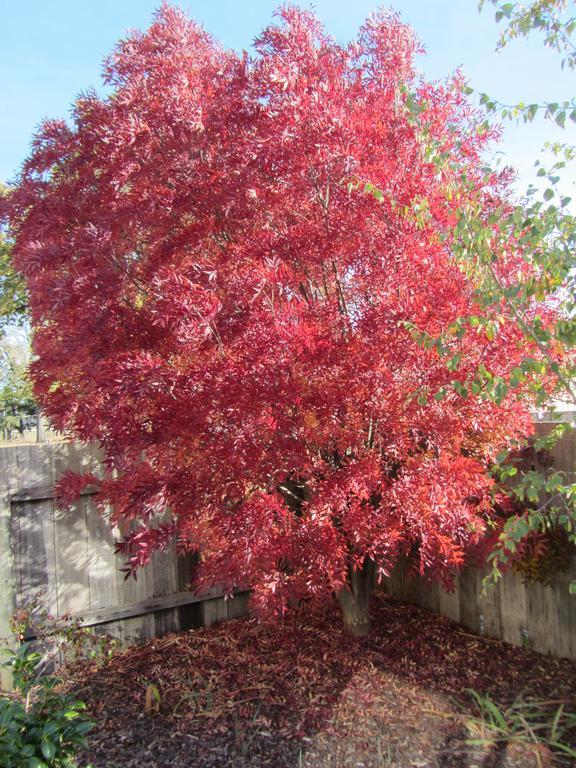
x=303, y=695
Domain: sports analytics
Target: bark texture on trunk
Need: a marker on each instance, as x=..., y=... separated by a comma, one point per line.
x=355, y=600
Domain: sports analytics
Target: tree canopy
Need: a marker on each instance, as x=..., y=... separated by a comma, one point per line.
x=244, y=283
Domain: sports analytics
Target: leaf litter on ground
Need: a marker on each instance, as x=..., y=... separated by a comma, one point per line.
x=301, y=694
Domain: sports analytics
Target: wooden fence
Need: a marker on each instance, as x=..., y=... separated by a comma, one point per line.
x=538, y=616
x=69, y=556
x=542, y=617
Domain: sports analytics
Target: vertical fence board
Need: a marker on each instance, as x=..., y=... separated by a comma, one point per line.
x=489, y=605
x=479, y=605
x=469, y=608
x=8, y=572
x=449, y=602
x=214, y=611
x=513, y=609
x=34, y=528
x=565, y=644
x=76, y=458
x=189, y=616
x=563, y=452
x=544, y=617
x=71, y=558
x=413, y=588
x=132, y=590
x=552, y=617
x=165, y=580
x=541, y=621
x=428, y=594
x=37, y=559
x=185, y=571
x=238, y=605
x=101, y=565
x=395, y=582
x=34, y=463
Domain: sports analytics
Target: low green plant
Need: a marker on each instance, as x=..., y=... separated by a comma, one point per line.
x=542, y=725
x=40, y=725
x=68, y=639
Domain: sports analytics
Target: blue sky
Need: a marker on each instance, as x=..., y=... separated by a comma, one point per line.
x=52, y=50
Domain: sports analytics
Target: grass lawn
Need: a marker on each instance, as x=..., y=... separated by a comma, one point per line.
x=300, y=694
x=29, y=438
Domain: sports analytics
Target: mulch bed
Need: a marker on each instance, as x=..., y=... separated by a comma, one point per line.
x=301, y=694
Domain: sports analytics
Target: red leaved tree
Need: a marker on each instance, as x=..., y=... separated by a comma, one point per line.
x=219, y=301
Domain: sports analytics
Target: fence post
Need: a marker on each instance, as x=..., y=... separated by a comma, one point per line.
x=40, y=427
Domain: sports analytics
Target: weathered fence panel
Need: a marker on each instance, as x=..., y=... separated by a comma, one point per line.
x=543, y=617
x=69, y=557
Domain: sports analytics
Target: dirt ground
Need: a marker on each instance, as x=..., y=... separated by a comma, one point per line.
x=301, y=694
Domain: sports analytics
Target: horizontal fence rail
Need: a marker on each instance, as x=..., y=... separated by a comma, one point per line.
x=68, y=557
x=153, y=605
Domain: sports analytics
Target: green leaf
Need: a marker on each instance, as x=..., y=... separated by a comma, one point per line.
x=532, y=494
x=500, y=390
x=454, y=362
x=548, y=194
x=35, y=762
x=50, y=729
x=48, y=748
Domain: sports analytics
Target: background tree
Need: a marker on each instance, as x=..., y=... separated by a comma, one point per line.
x=554, y=19
x=537, y=504
x=13, y=299
x=544, y=500
x=261, y=347
x=16, y=400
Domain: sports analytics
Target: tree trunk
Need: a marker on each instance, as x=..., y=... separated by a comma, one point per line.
x=354, y=600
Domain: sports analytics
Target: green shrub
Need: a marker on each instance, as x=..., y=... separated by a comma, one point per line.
x=40, y=726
